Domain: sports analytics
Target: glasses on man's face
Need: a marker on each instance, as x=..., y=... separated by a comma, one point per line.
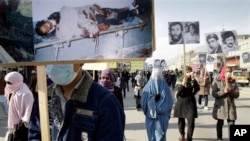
x=105, y=78
x=9, y=83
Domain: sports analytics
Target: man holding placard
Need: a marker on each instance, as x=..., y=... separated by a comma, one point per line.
x=80, y=109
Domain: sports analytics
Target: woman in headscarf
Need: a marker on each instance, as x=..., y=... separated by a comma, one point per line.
x=185, y=108
x=20, y=100
x=204, y=83
x=157, y=102
x=140, y=81
x=107, y=79
x=225, y=90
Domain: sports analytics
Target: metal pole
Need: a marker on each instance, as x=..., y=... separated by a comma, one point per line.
x=93, y=74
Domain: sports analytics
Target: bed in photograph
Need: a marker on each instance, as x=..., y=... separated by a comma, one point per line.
x=116, y=30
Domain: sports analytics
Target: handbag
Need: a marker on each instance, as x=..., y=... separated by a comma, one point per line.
x=21, y=133
x=137, y=90
x=9, y=136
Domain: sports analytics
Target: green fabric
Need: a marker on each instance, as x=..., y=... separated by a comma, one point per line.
x=25, y=9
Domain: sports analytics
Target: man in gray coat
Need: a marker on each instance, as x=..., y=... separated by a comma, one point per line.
x=224, y=90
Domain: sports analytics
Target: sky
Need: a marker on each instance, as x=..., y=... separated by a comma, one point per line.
x=212, y=15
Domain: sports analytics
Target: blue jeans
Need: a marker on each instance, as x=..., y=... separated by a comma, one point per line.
x=3, y=103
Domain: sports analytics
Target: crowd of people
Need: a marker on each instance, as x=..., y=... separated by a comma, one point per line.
x=79, y=106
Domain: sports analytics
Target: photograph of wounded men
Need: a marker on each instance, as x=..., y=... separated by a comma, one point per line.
x=92, y=30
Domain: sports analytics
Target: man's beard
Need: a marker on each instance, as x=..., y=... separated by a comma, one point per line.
x=176, y=38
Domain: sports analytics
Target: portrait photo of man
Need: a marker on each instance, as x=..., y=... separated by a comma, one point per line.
x=246, y=57
x=202, y=58
x=210, y=59
x=229, y=41
x=157, y=63
x=213, y=43
x=192, y=33
x=175, y=33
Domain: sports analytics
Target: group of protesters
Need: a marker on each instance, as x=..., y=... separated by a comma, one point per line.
x=79, y=106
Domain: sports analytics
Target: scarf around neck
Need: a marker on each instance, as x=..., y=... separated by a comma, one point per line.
x=109, y=84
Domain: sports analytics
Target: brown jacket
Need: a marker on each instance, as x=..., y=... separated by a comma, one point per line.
x=204, y=86
x=224, y=105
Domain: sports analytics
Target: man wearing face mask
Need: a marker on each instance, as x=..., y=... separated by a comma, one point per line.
x=80, y=108
x=224, y=90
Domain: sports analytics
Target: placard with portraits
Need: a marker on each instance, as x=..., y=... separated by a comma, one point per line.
x=202, y=56
x=184, y=32
x=210, y=58
x=221, y=42
x=245, y=56
x=160, y=63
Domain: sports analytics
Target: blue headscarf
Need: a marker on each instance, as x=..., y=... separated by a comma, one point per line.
x=157, y=112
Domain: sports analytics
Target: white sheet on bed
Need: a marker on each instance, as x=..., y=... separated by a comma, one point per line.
x=73, y=23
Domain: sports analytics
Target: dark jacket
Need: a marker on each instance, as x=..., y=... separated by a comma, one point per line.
x=224, y=105
x=123, y=82
x=92, y=112
x=218, y=50
x=118, y=93
x=2, y=85
x=185, y=106
x=32, y=83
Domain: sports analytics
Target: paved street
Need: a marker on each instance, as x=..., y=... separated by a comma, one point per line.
x=205, y=124
x=205, y=129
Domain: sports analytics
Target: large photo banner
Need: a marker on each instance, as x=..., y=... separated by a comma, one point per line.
x=16, y=32
x=92, y=29
x=221, y=42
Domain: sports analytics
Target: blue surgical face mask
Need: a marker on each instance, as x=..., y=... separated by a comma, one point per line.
x=61, y=74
